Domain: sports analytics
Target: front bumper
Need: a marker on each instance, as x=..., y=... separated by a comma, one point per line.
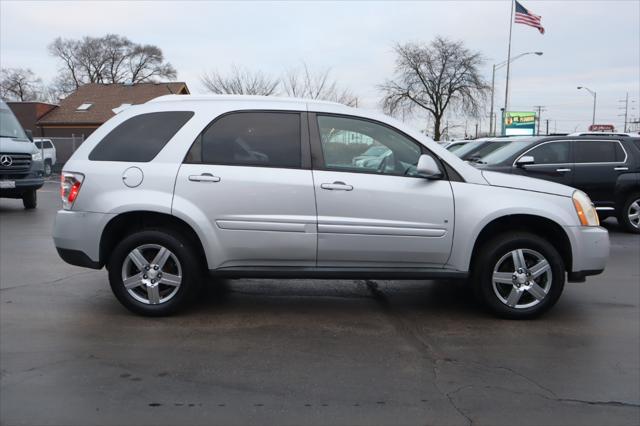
x=21, y=185
x=77, y=235
x=590, y=248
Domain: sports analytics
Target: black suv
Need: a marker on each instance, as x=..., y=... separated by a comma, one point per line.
x=606, y=168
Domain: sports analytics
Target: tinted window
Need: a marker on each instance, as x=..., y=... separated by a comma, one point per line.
x=140, y=138
x=551, y=153
x=48, y=144
x=351, y=144
x=270, y=139
x=597, y=152
x=38, y=144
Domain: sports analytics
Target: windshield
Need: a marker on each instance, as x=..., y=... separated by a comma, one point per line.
x=484, y=150
x=455, y=147
x=505, y=152
x=468, y=148
x=9, y=126
x=376, y=150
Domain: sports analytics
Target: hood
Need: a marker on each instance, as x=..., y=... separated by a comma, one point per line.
x=527, y=183
x=17, y=146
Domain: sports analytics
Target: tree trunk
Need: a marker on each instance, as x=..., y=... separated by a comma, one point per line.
x=436, y=128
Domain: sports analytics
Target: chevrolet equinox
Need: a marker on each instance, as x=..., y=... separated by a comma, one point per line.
x=169, y=192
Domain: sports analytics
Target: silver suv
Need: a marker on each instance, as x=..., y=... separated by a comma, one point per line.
x=167, y=193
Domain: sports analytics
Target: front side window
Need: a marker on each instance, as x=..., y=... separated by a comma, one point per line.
x=267, y=139
x=350, y=144
x=551, y=153
x=598, y=152
x=140, y=138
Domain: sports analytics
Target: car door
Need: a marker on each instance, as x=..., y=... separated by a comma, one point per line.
x=376, y=214
x=598, y=163
x=248, y=176
x=553, y=161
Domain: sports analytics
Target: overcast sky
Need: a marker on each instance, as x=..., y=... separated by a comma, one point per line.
x=589, y=43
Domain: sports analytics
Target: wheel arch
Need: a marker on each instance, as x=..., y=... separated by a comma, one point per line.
x=538, y=225
x=128, y=222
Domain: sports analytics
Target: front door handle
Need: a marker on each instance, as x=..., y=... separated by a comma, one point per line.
x=337, y=186
x=563, y=170
x=620, y=169
x=204, y=177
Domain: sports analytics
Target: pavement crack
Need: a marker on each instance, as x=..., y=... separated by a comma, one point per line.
x=48, y=282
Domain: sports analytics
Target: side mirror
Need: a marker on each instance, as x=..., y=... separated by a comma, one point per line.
x=428, y=168
x=29, y=134
x=525, y=161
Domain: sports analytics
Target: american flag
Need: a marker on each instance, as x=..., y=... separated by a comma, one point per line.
x=523, y=16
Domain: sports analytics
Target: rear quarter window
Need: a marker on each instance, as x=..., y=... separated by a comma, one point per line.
x=140, y=138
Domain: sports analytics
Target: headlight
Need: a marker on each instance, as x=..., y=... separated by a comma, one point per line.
x=37, y=156
x=584, y=208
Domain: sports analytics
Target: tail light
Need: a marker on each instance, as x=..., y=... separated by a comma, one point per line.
x=70, y=184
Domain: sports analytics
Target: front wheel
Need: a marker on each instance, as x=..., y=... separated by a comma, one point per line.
x=154, y=272
x=30, y=199
x=629, y=215
x=47, y=168
x=518, y=275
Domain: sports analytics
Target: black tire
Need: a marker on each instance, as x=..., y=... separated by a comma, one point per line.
x=47, y=168
x=488, y=257
x=189, y=262
x=30, y=199
x=623, y=214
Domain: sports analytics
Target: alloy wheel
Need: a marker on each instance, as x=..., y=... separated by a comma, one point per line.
x=151, y=274
x=522, y=278
x=633, y=213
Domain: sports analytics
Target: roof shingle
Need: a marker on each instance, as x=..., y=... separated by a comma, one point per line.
x=104, y=98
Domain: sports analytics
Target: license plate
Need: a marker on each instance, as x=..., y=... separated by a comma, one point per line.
x=6, y=184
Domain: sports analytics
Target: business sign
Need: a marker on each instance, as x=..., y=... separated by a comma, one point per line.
x=602, y=128
x=519, y=123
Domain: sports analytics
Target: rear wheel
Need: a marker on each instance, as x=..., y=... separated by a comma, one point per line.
x=518, y=275
x=30, y=199
x=47, y=168
x=629, y=214
x=154, y=272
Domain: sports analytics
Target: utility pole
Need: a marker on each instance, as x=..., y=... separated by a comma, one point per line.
x=547, y=127
x=626, y=110
x=540, y=108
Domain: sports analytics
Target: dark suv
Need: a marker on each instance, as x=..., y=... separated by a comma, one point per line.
x=606, y=168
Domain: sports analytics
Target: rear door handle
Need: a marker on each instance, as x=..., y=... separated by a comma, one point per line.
x=337, y=186
x=563, y=170
x=204, y=177
x=620, y=169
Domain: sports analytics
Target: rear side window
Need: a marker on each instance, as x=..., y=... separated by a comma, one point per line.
x=551, y=153
x=267, y=139
x=140, y=138
x=598, y=152
x=38, y=144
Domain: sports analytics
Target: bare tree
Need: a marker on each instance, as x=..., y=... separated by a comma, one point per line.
x=240, y=81
x=304, y=83
x=108, y=59
x=435, y=77
x=20, y=84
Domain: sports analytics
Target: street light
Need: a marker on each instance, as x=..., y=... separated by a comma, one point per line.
x=593, y=120
x=493, y=83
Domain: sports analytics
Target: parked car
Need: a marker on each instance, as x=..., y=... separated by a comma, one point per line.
x=21, y=165
x=372, y=157
x=606, y=168
x=186, y=199
x=48, y=153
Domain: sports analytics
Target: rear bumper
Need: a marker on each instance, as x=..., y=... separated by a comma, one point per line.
x=590, y=251
x=77, y=235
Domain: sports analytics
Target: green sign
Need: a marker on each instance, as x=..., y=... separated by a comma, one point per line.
x=519, y=123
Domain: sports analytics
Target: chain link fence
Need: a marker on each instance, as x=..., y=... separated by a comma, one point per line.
x=65, y=147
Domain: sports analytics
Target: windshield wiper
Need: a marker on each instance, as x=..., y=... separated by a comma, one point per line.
x=476, y=160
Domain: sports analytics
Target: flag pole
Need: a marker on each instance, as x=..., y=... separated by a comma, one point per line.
x=506, y=94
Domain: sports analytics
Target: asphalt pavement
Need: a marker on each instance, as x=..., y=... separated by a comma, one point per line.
x=295, y=352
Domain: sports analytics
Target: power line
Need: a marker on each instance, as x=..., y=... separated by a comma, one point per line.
x=540, y=108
